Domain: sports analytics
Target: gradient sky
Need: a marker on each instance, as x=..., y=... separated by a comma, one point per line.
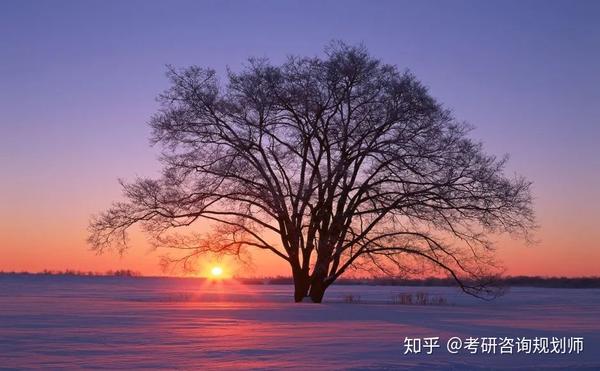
x=78, y=81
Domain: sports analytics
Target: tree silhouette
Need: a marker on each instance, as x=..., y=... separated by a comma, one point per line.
x=347, y=161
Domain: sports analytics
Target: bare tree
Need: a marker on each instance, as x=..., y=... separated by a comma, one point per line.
x=347, y=161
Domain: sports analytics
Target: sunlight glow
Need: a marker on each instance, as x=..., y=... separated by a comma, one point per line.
x=216, y=272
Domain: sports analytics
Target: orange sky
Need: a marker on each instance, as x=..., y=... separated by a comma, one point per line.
x=55, y=239
x=46, y=205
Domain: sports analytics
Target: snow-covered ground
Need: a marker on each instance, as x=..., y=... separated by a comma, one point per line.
x=106, y=322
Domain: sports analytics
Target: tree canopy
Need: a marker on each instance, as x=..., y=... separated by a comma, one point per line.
x=347, y=161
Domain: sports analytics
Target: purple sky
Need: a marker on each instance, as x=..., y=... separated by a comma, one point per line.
x=78, y=81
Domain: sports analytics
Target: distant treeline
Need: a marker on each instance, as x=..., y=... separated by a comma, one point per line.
x=516, y=281
x=69, y=272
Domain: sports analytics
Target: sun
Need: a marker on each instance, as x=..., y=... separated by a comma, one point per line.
x=216, y=272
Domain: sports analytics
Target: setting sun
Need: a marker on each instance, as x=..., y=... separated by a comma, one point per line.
x=216, y=272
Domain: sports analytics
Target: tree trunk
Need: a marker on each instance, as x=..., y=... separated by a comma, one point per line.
x=317, y=283
x=301, y=285
x=317, y=290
